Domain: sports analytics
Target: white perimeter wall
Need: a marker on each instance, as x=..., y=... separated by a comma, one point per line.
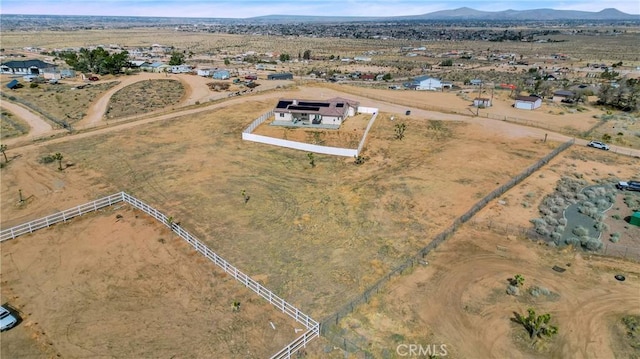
x=247, y=135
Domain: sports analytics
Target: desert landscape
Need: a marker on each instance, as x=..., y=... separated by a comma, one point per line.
x=318, y=230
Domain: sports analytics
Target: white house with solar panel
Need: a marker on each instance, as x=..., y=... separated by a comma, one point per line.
x=325, y=114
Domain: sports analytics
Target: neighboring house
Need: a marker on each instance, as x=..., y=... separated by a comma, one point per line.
x=560, y=95
x=221, y=75
x=28, y=67
x=315, y=112
x=67, y=73
x=481, y=102
x=181, y=69
x=138, y=63
x=266, y=67
x=159, y=67
x=427, y=83
x=51, y=74
x=527, y=102
x=205, y=72
x=280, y=76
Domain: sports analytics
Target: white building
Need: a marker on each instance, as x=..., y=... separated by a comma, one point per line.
x=427, y=83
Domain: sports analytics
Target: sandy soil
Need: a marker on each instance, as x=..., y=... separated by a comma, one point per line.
x=461, y=293
x=117, y=284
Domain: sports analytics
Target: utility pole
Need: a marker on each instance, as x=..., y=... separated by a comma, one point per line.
x=479, y=99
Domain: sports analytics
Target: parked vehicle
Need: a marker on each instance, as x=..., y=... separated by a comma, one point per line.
x=598, y=145
x=93, y=78
x=629, y=186
x=7, y=320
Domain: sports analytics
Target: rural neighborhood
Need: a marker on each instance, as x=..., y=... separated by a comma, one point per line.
x=321, y=186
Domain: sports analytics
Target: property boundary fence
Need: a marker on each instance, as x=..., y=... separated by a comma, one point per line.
x=248, y=135
x=312, y=326
x=34, y=108
x=329, y=324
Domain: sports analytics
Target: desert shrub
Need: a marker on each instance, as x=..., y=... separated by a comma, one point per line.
x=551, y=221
x=611, y=198
x=580, y=231
x=47, y=159
x=538, y=291
x=513, y=290
x=562, y=221
x=591, y=244
x=589, y=193
x=560, y=229
x=542, y=231
x=572, y=241
x=603, y=204
x=546, y=211
x=601, y=226
x=555, y=209
x=599, y=217
x=616, y=216
x=581, y=197
x=556, y=236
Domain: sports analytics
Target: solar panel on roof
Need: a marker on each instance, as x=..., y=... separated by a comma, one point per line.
x=284, y=104
x=304, y=108
x=314, y=104
x=339, y=105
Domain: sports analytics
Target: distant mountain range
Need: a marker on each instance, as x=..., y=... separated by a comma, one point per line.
x=465, y=13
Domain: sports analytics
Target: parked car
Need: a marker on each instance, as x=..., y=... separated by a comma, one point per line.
x=599, y=145
x=93, y=78
x=7, y=320
x=629, y=186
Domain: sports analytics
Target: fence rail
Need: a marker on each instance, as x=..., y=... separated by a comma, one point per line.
x=29, y=227
x=332, y=321
x=312, y=326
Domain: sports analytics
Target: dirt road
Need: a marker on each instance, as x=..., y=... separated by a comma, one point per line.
x=38, y=125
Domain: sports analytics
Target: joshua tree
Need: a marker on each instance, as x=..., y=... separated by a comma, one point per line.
x=58, y=157
x=518, y=280
x=312, y=160
x=537, y=325
x=236, y=306
x=400, y=128
x=3, y=148
x=245, y=196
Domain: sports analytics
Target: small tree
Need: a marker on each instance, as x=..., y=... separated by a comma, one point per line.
x=245, y=196
x=312, y=160
x=177, y=58
x=306, y=55
x=58, y=157
x=537, y=325
x=3, y=148
x=400, y=128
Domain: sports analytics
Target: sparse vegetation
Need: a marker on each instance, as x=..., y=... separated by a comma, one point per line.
x=538, y=326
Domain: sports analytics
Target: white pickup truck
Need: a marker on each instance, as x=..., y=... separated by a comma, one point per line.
x=629, y=186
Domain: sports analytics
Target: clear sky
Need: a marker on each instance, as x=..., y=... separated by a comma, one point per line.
x=251, y=8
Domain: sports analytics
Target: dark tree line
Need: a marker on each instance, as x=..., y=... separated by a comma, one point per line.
x=623, y=95
x=97, y=61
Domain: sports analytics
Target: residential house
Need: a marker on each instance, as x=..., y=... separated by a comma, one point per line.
x=527, y=102
x=28, y=67
x=481, y=102
x=427, y=83
x=205, y=72
x=560, y=95
x=67, y=73
x=280, y=76
x=221, y=74
x=330, y=112
x=138, y=63
x=181, y=69
x=159, y=67
x=51, y=73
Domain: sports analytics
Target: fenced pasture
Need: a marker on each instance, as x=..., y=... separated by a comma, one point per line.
x=311, y=327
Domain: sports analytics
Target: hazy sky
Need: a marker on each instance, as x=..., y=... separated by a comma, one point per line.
x=250, y=8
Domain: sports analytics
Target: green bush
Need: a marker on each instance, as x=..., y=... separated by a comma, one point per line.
x=580, y=231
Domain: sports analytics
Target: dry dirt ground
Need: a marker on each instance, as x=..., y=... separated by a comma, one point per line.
x=118, y=284
x=316, y=236
x=462, y=291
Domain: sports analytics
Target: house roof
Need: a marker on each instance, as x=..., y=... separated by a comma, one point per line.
x=13, y=84
x=331, y=107
x=563, y=93
x=527, y=98
x=424, y=78
x=27, y=64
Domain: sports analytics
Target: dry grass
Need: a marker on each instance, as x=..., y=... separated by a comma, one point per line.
x=11, y=126
x=143, y=97
x=63, y=102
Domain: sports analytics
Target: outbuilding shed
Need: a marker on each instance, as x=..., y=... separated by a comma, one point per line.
x=280, y=76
